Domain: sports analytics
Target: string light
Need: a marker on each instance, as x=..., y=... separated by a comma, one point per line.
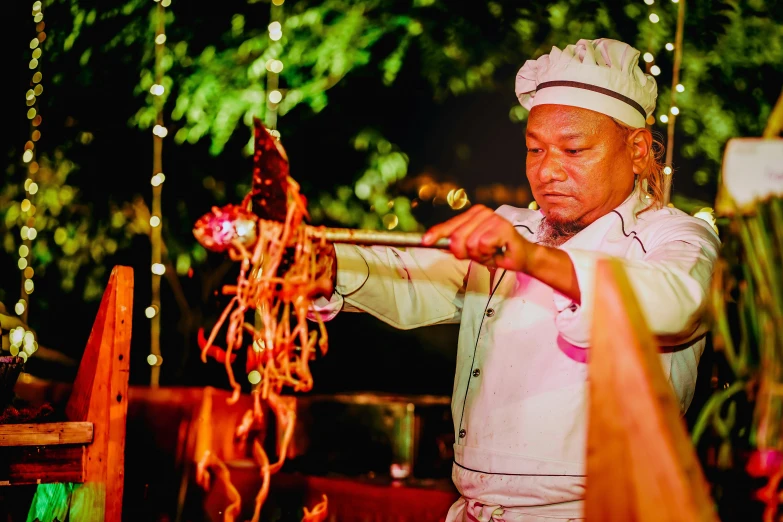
x=28, y=232
x=275, y=96
x=274, y=66
x=254, y=377
x=655, y=70
x=159, y=131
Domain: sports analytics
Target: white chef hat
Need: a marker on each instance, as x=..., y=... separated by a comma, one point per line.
x=601, y=75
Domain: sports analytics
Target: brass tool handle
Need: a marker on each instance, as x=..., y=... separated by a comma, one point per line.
x=379, y=237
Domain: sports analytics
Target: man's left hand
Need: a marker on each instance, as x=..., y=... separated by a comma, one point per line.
x=481, y=235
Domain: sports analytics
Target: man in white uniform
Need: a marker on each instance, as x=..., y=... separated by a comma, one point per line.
x=520, y=283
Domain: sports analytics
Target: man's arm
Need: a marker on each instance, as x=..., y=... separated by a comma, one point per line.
x=671, y=282
x=406, y=288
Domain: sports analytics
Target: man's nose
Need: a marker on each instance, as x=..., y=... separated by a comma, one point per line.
x=551, y=168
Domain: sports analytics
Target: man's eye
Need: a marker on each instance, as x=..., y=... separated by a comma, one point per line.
x=573, y=151
x=533, y=151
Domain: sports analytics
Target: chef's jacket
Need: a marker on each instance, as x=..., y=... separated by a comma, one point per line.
x=519, y=403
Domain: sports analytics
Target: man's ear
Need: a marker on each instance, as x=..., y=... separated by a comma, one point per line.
x=640, y=143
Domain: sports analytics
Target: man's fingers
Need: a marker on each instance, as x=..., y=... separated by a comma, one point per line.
x=487, y=238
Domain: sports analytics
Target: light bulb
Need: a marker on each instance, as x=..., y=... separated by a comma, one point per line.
x=667, y=170
x=680, y=87
x=160, y=39
x=664, y=118
x=160, y=131
x=655, y=70
x=669, y=46
x=154, y=221
x=648, y=57
x=675, y=111
x=275, y=96
x=158, y=268
x=152, y=359
x=254, y=377
x=654, y=18
x=150, y=312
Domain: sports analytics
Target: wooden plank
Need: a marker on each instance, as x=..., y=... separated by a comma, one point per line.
x=641, y=465
x=100, y=396
x=40, y=465
x=48, y=433
x=118, y=400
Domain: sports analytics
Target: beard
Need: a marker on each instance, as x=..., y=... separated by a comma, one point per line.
x=555, y=233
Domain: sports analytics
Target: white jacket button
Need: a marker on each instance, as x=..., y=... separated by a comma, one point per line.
x=476, y=372
x=462, y=433
x=490, y=312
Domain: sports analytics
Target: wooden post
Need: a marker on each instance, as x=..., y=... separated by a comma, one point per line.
x=100, y=396
x=641, y=465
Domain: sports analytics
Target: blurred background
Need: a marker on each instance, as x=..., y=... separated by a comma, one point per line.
x=394, y=114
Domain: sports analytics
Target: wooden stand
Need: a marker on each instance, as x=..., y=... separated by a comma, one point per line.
x=641, y=465
x=89, y=448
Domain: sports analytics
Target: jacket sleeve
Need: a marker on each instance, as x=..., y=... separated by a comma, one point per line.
x=670, y=282
x=406, y=288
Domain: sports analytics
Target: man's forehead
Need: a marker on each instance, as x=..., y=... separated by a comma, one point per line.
x=564, y=121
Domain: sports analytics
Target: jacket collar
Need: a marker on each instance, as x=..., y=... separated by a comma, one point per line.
x=627, y=212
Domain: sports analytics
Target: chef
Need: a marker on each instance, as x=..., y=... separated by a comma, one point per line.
x=520, y=283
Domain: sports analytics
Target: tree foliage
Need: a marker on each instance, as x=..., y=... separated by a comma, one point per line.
x=361, y=56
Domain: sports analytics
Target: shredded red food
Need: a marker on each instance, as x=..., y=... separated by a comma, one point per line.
x=281, y=267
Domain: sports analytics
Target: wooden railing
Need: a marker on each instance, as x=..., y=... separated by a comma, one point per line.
x=89, y=448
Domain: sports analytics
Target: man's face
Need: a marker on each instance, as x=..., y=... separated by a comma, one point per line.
x=578, y=163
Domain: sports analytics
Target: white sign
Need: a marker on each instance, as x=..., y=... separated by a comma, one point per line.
x=753, y=169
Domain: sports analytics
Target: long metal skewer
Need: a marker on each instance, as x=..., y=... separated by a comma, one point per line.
x=379, y=237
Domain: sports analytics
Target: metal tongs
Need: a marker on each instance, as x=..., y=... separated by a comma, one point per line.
x=384, y=238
